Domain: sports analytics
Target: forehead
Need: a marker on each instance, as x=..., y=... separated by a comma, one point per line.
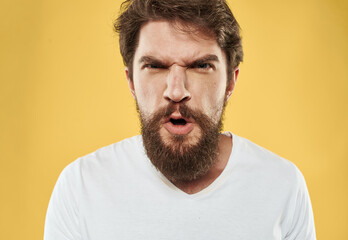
x=176, y=42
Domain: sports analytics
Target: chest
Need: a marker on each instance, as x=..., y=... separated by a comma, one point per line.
x=150, y=213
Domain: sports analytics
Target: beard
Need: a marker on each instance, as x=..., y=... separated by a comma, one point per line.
x=178, y=158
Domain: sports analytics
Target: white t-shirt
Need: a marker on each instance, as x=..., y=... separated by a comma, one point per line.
x=116, y=193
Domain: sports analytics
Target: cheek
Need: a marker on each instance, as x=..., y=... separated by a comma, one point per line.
x=149, y=93
x=210, y=92
x=213, y=99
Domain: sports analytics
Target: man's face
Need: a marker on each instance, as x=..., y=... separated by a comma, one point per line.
x=175, y=70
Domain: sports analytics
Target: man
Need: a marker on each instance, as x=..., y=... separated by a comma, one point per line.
x=182, y=178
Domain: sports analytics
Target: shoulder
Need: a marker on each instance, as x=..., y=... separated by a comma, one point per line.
x=264, y=164
x=280, y=182
x=104, y=160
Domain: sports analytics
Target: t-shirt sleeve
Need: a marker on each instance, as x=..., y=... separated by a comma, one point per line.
x=62, y=221
x=302, y=223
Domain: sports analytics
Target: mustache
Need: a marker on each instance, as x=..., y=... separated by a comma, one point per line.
x=185, y=111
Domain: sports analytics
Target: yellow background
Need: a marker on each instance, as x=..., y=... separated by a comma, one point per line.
x=63, y=94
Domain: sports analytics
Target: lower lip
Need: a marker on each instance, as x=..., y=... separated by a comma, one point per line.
x=178, y=129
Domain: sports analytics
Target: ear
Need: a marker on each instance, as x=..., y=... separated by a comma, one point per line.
x=232, y=83
x=130, y=83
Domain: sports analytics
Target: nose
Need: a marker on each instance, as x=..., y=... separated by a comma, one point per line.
x=176, y=90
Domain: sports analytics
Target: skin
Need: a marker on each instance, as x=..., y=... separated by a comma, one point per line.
x=171, y=65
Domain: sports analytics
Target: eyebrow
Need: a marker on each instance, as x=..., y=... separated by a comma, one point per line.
x=206, y=58
x=149, y=59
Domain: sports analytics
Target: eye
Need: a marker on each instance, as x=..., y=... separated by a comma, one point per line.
x=152, y=66
x=203, y=66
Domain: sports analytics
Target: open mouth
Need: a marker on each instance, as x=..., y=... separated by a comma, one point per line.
x=179, y=121
x=178, y=125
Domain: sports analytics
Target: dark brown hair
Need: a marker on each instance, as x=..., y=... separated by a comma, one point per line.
x=209, y=16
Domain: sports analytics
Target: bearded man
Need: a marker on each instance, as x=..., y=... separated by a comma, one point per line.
x=182, y=178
